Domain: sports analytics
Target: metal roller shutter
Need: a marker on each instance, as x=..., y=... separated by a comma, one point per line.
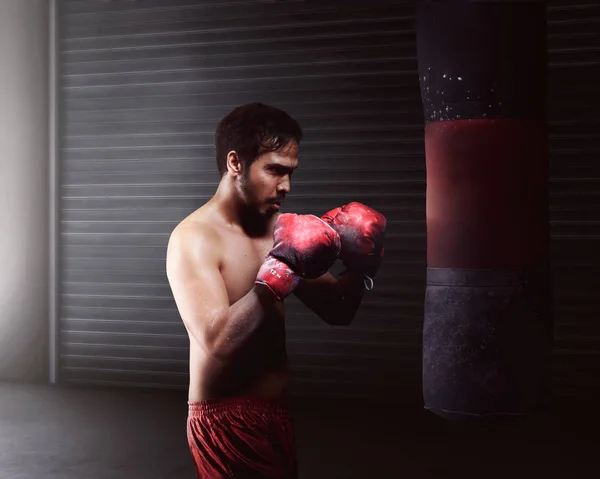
x=143, y=86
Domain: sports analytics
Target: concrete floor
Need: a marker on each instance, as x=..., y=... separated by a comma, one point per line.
x=91, y=433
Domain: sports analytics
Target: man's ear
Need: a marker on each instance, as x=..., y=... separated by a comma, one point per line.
x=234, y=164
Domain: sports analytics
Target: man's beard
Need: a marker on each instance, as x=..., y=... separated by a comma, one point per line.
x=255, y=217
x=246, y=192
x=249, y=196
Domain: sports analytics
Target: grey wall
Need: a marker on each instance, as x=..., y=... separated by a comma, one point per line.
x=24, y=189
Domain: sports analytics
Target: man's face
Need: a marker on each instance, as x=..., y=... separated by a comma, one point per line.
x=268, y=180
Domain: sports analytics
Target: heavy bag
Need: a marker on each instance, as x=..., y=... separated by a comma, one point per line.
x=488, y=323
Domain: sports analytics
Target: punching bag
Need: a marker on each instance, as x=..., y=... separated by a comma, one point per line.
x=488, y=323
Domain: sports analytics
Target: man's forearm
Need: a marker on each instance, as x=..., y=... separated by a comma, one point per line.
x=351, y=291
x=334, y=300
x=234, y=327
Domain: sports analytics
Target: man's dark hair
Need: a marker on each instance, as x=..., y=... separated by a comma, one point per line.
x=251, y=130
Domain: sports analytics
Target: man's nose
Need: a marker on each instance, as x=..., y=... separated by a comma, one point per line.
x=284, y=186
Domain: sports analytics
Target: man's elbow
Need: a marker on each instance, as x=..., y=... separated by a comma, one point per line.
x=339, y=318
x=341, y=322
x=208, y=339
x=218, y=347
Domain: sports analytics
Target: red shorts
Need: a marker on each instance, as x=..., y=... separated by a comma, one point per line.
x=242, y=438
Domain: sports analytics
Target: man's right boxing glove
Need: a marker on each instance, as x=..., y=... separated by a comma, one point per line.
x=362, y=232
x=304, y=246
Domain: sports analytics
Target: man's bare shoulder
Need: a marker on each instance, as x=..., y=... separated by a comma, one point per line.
x=194, y=239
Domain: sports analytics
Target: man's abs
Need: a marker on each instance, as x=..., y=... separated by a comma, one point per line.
x=264, y=377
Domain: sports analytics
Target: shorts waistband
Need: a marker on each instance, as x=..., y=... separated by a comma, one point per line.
x=210, y=406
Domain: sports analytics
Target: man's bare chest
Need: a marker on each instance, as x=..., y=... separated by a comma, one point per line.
x=240, y=263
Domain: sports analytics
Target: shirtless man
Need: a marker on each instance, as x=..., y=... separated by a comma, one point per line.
x=230, y=264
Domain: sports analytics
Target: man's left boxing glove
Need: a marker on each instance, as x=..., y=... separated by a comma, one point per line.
x=362, y=231
x=304, y=246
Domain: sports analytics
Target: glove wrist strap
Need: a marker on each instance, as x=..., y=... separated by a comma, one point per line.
x=366, y=279
x=278, y=277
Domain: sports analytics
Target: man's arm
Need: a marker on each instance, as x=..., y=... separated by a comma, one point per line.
x=361, y=230
x=201, y=296
x=334, y=300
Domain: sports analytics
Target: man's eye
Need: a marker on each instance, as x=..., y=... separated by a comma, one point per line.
x=279, y=170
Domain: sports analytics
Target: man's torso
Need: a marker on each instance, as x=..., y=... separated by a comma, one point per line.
x=260, y=368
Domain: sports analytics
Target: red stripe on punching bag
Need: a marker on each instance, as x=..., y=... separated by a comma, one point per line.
x=486, y=191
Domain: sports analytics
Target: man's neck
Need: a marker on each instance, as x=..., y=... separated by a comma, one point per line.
x=237, y=213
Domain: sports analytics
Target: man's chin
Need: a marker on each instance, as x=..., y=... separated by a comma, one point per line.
x=270, y=212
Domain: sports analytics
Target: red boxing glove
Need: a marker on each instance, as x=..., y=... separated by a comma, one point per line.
x=304, y=246
x=362, y=231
